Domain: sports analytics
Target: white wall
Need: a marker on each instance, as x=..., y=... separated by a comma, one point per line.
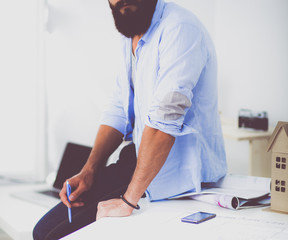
x=81, y=66
x=20, y=141
x=251, y=41
x=82, y=49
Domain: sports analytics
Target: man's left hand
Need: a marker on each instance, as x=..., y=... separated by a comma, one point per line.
x=113, y=208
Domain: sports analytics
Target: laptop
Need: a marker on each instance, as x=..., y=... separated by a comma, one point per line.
x=73, y=159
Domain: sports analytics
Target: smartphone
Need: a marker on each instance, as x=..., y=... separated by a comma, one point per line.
x=198, y=217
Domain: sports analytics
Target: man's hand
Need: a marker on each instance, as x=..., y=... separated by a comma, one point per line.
x=79, y=184
x=107, y=141
x=113, y=208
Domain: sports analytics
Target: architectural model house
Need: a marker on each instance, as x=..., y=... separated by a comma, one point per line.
x=278, y=144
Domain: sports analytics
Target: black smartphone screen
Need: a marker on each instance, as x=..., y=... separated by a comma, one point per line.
x=198, y=217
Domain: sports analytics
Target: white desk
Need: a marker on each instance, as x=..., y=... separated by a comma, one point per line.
x=161, y=220
x=17, y=217
x=260, y=160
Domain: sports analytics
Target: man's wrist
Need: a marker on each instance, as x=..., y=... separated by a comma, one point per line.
x=88, y=170
x=131, y=198
x=129, y=204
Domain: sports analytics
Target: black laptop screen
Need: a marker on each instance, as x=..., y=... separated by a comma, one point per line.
x=73, y=159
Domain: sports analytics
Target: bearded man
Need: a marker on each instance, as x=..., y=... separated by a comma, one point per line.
x=165, y=103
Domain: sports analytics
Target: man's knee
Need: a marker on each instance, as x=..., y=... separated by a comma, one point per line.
x=49, y=222
x=38, y=231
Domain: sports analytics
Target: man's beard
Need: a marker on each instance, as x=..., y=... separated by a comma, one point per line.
x=136, y=22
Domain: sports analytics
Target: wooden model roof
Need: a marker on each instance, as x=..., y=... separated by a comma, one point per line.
x=277, y=129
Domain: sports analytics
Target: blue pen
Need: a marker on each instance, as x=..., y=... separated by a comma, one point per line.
x=68, y=188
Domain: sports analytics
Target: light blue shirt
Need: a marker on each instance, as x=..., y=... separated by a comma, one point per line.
x=175, y=91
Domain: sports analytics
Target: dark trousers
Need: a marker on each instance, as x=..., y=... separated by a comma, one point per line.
x=110, y=182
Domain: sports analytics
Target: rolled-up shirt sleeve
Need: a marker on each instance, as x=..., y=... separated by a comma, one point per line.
x=182, y=58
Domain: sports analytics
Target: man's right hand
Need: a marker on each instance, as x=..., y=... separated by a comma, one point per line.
x=79, y=183
x=107, y=141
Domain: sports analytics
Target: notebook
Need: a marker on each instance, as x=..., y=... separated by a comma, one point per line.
x=73, y=159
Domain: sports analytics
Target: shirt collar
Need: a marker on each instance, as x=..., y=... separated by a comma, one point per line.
x=155, y=19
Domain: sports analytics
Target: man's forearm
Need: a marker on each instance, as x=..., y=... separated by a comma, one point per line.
x=107, y=141
x=153, y=152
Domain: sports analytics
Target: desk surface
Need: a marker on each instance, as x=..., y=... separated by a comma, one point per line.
x=157, y=220
x=162, y=220
x=18, y=217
